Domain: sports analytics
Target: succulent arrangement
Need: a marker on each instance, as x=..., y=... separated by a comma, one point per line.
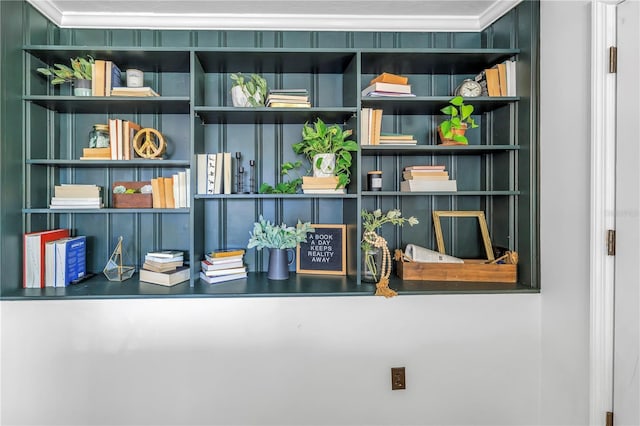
x=268, y=235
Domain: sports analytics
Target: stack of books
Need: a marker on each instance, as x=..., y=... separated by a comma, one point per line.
x=387, y=84
x=72, y=196
x=65, y=261
x=164, y=267
x=427, y=179
x=397, y=139
x=105, y=76
x=288, y=98
x=499, y=80
x=223, y=265
x=321, y=185
x=133, y=91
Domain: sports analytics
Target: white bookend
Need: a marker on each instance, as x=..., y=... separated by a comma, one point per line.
x=211, y=174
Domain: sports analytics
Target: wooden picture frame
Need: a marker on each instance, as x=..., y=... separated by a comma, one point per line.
x=437, y=214
x=325, y=251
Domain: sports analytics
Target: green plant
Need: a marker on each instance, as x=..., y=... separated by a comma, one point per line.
x=322, y=139
x=80, y=69
x=285, y=187
x=460, y=118
x=268, y=235
x=371, y=221
x=253, y=85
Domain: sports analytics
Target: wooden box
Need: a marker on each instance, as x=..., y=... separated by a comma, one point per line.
x=473, y=270
x=132, y=201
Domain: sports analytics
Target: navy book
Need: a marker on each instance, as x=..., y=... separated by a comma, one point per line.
x=71, y=260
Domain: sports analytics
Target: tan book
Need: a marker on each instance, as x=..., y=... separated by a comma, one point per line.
x=502, y=78
x=168, y=193
x=289, y=105
x=417, y=173
x=319, y=186
x=166, y=278
x=493, y=81
x=329, y=180
x=133, y=91
x=163, y=202
x=376, y=126
x=107, y=77
x=435, y=177
x=98, y=153
x=162, y=267
x=156, y=194
x=129, y=130
x=99, y=77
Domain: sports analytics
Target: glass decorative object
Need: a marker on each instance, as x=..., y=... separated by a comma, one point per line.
x=114, y=270
x=99, y=136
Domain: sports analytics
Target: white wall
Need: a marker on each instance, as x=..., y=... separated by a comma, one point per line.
x=482, y=360
x=272, y=361
x=564, y=203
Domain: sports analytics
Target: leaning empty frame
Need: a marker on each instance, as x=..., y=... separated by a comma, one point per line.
x=437, y=214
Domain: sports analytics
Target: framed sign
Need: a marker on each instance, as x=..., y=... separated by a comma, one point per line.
x=324, y=252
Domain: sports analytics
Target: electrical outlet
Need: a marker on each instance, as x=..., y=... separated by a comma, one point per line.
x=397, y=378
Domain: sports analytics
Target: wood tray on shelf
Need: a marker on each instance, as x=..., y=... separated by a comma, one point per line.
x=132, y=201
x=475, y=270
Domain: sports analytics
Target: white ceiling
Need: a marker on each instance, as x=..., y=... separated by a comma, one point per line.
x=353, y=15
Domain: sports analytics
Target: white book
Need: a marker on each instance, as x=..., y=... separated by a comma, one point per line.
x=227, y=173
x=390, y=88
x=213, y=280
x=165, y=253
x=210, y=266
x=182, y=195
x=428, y=186
x=164, y=259
x=217, y=189
x=201, y=173
x=222, y=272
x=187, y=191
x=325, y=191
x=211, y=174
x=176, y=190
x=365, y=116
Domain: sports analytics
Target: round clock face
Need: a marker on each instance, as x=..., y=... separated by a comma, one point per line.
x=469, y=88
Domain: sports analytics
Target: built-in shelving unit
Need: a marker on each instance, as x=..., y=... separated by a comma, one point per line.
x=496, y=172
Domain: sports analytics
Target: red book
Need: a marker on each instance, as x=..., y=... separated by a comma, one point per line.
x=33, y=255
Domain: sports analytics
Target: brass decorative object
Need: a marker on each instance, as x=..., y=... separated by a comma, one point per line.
x=149, y=143
x=114, y=270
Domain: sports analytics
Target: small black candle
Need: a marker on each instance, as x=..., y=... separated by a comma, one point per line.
x=374, y=180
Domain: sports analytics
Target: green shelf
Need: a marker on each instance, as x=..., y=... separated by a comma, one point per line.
x=104, y=211
x=113, y=104
x=435, y=149
x=109, y=163
x=264, y=115
x=427, y=105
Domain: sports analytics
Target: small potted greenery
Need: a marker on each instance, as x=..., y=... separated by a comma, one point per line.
x=452, y=131
x=280, y=240
x=329, y=149
x=79, y=74
x=248, y=92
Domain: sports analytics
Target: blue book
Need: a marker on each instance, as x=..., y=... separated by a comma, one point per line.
x=70, y=260
x=116, y=76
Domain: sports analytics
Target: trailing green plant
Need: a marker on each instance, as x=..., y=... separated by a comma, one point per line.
x=322, y=139
x=268, y=235
x=460, y=117
x=80, y=69
x=285, y=187
x=254, y=84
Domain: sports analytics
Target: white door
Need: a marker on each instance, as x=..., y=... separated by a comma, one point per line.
x=626, y=364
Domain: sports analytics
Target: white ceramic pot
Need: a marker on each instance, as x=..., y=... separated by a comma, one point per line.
x=324, y=165
x=240, y=97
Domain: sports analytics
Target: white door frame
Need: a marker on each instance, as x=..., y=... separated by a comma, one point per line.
x=603, y=144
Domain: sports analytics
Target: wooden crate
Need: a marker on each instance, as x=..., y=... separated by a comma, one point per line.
x=132, y=201
x=474, y=270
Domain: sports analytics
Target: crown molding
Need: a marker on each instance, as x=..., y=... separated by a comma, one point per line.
x=273, y=22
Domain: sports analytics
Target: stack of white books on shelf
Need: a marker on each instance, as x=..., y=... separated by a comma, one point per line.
x=387, y=84
x=321, y=185
x=223, y=265
x=164, y=267
x=74, y=196
x=396, y=139
x=427, y=178
x=288, y=98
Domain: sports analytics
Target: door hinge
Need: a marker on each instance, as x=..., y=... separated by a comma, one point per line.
x=613, y=59
x=609, y=418
x=611, y=242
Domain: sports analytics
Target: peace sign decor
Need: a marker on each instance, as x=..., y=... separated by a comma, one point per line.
x=149, y=143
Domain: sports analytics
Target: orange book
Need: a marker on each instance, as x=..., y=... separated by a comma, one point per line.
x=386, y=77
x=129, y=130
x=376, y=126
x=168, y=193
x=493, y=81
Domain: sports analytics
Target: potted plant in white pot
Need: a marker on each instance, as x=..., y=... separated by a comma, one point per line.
x=329, y=149
x=79, y=74
x=452, y=131
x=280, y=240
x=248, y=92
